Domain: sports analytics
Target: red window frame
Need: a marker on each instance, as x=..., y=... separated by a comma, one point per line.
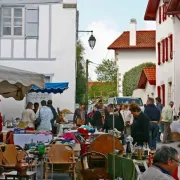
x=160, y=16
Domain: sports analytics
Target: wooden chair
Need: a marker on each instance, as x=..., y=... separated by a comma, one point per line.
x=91, y=172
x=106, y=144
x=11, y=154
x=60, y=159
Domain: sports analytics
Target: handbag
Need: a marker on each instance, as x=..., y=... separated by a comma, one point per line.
x=80, y=122
x=37, y=122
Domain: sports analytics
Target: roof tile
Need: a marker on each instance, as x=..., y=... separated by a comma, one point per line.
x=144, y=39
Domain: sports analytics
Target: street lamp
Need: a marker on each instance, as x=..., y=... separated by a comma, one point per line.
x=92, y=39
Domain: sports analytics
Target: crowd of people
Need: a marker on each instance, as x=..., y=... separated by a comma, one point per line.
x=46, y=116
x=143, y=125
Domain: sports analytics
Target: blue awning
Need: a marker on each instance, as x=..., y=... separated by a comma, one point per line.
x=51, y=88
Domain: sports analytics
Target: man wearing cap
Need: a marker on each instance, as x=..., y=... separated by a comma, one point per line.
x=167, y=118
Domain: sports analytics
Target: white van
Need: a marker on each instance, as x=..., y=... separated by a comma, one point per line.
x=126, y=100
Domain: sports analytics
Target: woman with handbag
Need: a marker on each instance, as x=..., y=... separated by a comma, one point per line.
x=80, y=116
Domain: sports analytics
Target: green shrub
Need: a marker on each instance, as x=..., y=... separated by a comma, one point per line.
x=131, y=78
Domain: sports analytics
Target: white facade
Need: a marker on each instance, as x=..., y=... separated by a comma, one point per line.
x=127, y=59
x=52, y=52
x=149, y=91
x=168, y=73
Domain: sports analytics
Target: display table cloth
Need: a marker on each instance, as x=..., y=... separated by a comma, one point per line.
x=124, y=168
x=22, y=139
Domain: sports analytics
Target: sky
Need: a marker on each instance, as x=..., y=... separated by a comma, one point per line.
x=108, y=19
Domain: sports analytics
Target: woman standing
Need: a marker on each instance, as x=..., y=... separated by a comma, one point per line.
x=141, y=125
x=28, y=115
x=127, y=117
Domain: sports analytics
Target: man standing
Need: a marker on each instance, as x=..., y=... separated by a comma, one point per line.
x=97, y=118
x=80, y=116
x=154, y=115
x=167, y=118
x=118, y=120
x=45, y=115
x=49, y=104
x=161, y=125
x=36, y=109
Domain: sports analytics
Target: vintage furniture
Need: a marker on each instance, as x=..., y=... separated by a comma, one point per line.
x=106, y=144
x=60, y=159
x=14, y=175
x=8, y=156
x=92, y=172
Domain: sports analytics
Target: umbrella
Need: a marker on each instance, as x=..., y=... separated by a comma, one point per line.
x=16, y=83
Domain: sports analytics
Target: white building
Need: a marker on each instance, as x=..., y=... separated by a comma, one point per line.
x=133, y=48
x=40, y=36
x=167, y=51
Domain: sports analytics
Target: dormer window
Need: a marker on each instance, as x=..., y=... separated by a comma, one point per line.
x=12, y=21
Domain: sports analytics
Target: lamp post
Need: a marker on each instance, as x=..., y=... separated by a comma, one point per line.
x=92, y=43
x=92, y=39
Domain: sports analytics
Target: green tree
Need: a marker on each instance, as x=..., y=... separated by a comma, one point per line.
x=80, y=76
x=104, y=89
x=107, y=71
x=131, y=78
x=107, y=81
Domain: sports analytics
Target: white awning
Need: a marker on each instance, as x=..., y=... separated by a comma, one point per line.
x=16, y=83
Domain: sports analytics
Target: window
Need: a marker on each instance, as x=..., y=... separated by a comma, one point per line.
x=12, y=21
x=162, y=13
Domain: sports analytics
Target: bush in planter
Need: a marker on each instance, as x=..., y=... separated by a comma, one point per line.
x=131, y=78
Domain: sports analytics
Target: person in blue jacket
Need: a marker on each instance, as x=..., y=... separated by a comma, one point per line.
x=154, y=115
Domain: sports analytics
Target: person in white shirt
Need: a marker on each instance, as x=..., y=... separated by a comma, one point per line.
x=28, y=115
x=127, y=117
x=46, y=116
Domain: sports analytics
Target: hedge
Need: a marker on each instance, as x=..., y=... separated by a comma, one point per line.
x=131, y=78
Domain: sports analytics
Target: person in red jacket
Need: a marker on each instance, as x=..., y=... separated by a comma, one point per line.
x=175, y=175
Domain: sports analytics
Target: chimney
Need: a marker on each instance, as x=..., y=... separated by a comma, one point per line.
x=132, y=39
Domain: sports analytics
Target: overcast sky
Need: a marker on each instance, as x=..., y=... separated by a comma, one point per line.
x=108, y=19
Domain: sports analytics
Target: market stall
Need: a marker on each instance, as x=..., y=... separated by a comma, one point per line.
x=16, y=83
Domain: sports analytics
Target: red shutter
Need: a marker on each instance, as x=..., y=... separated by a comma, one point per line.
x=163, y=19
x=163, y=50
x=160, y=15
x=171, y=46
x=159, y=91
x=164, y=12
x=159, y=53
x=167, y=49
x=163, y=94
